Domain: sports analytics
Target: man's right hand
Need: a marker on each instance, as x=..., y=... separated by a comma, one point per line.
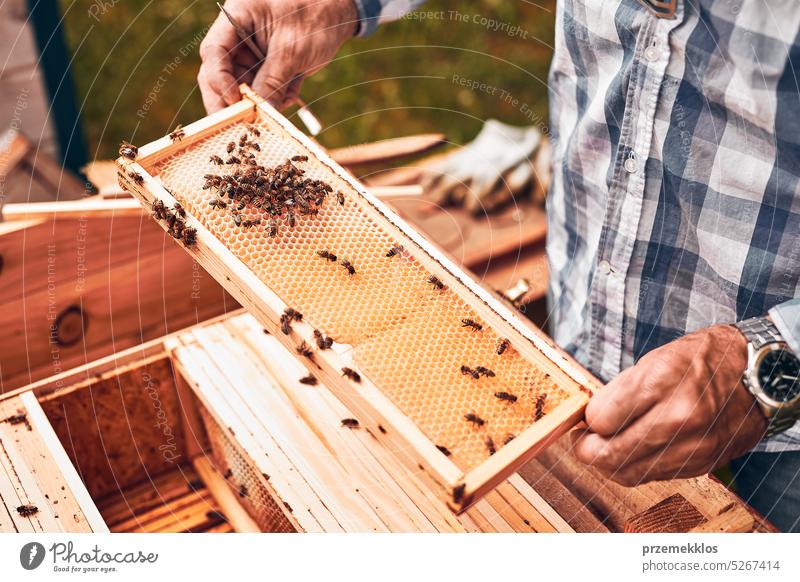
x=299, y=37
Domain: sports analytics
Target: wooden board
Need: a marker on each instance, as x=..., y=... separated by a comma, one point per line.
x=120, y=430
x=33, y=473
x=402, y=434
x=130, y=282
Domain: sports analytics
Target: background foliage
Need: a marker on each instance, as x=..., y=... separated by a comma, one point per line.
x=397, y=82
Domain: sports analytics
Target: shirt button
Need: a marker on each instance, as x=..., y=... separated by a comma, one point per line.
x=651, y=53
x=604, y=267
x=631, y=164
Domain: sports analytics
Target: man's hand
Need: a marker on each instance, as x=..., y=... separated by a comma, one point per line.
x=299, y=37
x=681, y=411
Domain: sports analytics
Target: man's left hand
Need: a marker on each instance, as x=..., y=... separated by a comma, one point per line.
x=681, y=411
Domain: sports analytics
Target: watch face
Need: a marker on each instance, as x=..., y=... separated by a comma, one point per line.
x=778, y=374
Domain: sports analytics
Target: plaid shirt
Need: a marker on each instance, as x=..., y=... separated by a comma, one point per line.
x=675, y=201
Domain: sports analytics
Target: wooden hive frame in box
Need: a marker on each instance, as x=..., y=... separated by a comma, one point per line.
x=460, y=479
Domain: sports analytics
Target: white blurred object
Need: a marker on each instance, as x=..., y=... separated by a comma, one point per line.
x=496, y=166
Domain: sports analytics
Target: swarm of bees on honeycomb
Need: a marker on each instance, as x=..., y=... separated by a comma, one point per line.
x=464, y=385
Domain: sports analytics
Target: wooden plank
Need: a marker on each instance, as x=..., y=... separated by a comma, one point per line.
x=63, y=481
x=374, y=484
x=517, y=489
x=272, y=414
x=29, y=491
x=236, y=515
x=87, y=208
x=205, y=382
x=387, y=149
x=124, y=300
x=735, y=520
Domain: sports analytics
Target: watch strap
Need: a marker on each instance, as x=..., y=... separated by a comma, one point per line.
x=759, y=331
x=781, y=420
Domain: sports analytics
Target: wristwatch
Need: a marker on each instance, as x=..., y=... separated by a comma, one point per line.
x=773, y=373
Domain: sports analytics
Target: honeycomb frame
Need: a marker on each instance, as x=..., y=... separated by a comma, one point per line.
x=378, y=399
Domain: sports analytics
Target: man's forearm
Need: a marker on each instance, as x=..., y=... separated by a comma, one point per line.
x=373, y=12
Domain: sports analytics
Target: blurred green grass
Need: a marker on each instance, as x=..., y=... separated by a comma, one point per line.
x=397, y=82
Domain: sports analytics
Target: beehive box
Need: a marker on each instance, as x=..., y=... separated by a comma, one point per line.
x=433, y=376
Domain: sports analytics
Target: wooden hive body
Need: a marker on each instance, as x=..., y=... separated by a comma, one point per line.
x=405, y=338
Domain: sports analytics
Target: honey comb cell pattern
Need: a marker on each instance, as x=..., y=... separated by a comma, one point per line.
x=420, y=335
x=409, y=335
x=349, y=308
x=418, y=365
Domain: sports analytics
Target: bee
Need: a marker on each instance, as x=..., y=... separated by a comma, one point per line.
x=309, y=380
x=290, y=219
x=233, y=160
x=436, y=282
x=508, y=438
x=27, y=510
x=467, y=371
x=137, y=177
x=179, y=210
x=237, y=219
x=485, y=371
x=190, y=236
x=458, y=493
x=304, y=350
x=254, y=130
x=380, y=428
x=340, y=198
x=351, y=374
x=444, y=450
x=490, y=445
x=350, y=423
x=323, y=342
x=177, y=134
x=292, y=313
x=214, y=159
x=16, y=418
x=228, y=474
x=474, y=419
x=471, y=323
x=231, y=147
x=394, y=251
x=242, y=140
x=502, y=346
x=217, y=203
x=351, y=270
x=242, y=491
x=328, y=256
x=299, y=158
x=506, y=396
x=273, y=228
x=539, y=406
x=128, y=150
x=286, y=324
x=159, y=210
x=255, y=146
x=251, y=223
